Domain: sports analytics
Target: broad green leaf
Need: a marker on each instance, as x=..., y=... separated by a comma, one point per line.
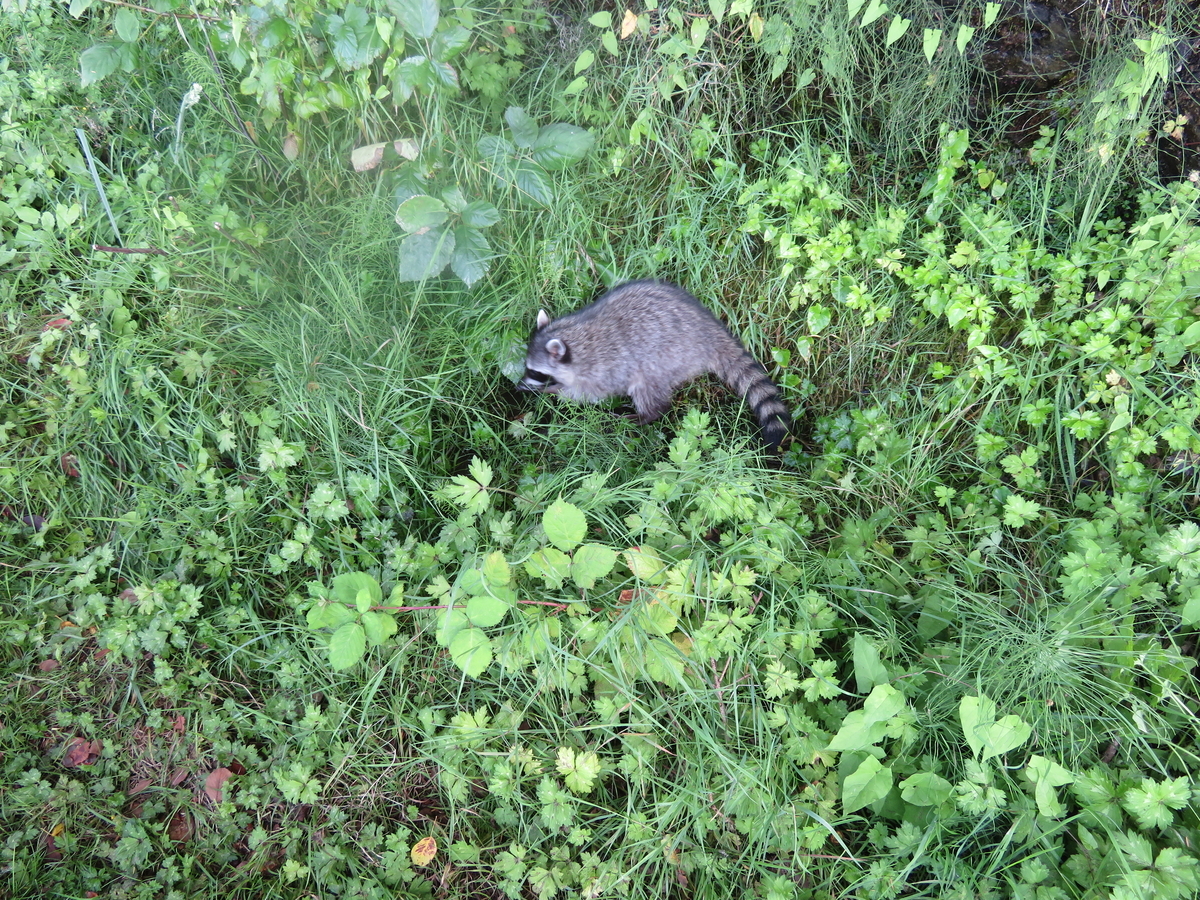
x=471, y=651
x=869, y=671
x=608, y=40
x=579, y=770
x=425, y=255
x=480, y=214
x=449, y=43
x=896, y=30
x=699, y=32
x=523, y=128
x=930, y=40
x=413, y=73
x=575, y=87
x=965, y=33
x=347, y=645
x=986, y=736
x=328, y=615
x=127, y=24
x=990, y=12
x=852, y=8
x=451, y=622
x=601, y=19
x=98, y=61
x=564, y=524
x=819, y=317
x=495, y=569
x=717, y=8
x=421, y=212
x=79, y=7
x=472, y=254
x=560, y=145
x=585, y=59
x=353, y=38
x=549, y=564
x=418, y=18
x=1046, y=775
x=495, y=149
x=531, y=184
x=485, y=611
x=869, y=783
x=975, y=714
x=645, y=564
x=444, y=75
x=656, y=617
x=347, y=587
x=875, y=9
x=1191, y=335
x=378, y=627
x=926, y=789
x=592, y=562
x=857, y=732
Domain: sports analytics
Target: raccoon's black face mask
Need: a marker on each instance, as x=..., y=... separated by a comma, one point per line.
x=537, y=381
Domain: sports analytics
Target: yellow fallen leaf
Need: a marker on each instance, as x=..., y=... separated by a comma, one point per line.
x=423, y=851
x=628, y=23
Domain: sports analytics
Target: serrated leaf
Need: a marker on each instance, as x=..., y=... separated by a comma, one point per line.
x=564, y=525
x=97, y=62
x=363, y=601
x=590, y=563
x=530, y=183
x=328, y=615
x=869, y=783
x=523, y=128
x=412, y=73
x=579, y=770
x=353, y=38
x=347, y=586
x=378, y=627
x=480, y=214
x=645, y=564
x=495, y=569
x=425, y=255
x=656, y=617
x=421, y=212
x=417, y=17
x=451, y=622
x=347, y=645
x=472, y=254
x=495, y=149
x=896, y=30
x=449, y=43
x=471, y=651
x=549, y=564
x=485, y=611
x=560, y=145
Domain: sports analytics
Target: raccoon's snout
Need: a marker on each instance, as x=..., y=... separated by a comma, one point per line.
x=537, y=382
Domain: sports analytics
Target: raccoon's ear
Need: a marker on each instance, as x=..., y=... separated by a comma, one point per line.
x=542, y=320
x=557, y=350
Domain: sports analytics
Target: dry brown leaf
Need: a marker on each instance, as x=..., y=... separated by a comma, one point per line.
x=213, y=783
x=628, y=23
x=81, y=752
x=138, y=786
x=291, y=146
x=180, y=827
x=48, y=665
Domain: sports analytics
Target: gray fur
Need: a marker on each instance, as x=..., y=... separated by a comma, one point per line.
x=642, y=340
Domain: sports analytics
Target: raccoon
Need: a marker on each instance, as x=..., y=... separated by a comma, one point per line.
x=642, y=340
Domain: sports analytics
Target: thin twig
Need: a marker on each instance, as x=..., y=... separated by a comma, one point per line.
x=153, y=250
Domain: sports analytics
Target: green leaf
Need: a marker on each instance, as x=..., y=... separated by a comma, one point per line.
x=986, y=736
x=472, y=254
x=425, y=255
x=869, y=671
x=990, y=11
x=575, y=87
x=495, y=150
x=524, y=129
x=79, y=7
x=965, y=33
x=580, y=771
x=930, y=40
x=592, y=562
x=608, y=40
x=926, y=789
x=564, y=524
x=717, y=8
x=549, y=564
x=452, y=621
x=421, y=212
x=645, y=564
x=852, y=8
x=495, y=569
x=1153, y=802
x=1046, y=775
x=480, y=214
x=127, y=24
x=869, y=783
x=471, y=651
x=601, y=19
x=418, y=18
x=585, y=59
x=97, y=62
x=819, y=318
x=328, y=615
x=449, y=43
x=353, y=38
x=415, y=72
x=378, y=627
x=347, y=645
x=530, y=183
x=560, y=145
x=349, y=585
x=699, y=31
x=485, y=611
x=896, y=30
x=975, y=714
x=875, y=9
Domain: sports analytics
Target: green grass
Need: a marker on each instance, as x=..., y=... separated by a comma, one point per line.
x=765, y=691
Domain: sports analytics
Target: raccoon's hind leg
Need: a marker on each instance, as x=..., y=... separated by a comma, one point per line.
x=649, y=403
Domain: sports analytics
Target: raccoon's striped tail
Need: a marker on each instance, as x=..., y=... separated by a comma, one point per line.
x=746, y=375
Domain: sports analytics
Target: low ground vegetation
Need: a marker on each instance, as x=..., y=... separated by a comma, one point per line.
x=301, y=600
